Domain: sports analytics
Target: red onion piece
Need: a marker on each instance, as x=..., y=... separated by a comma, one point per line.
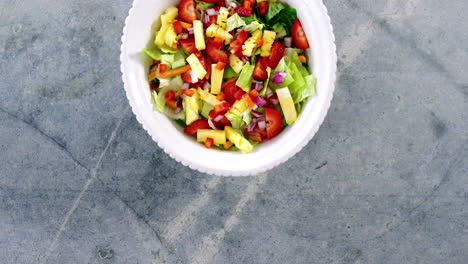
x=185, y=36
x=232, y=6
x=256, y=114
x=213, y=125
x=269, y=92
x=288, y=42
x=185, y=86
x=257, y=85
x=178, y=110
x=218, y=118
x=259, y=101
x=274, y=99
x=262, y=125
x=193, y=76
x=279, y=77
x=190, y=31
x=206, y=85
x=212, y=12
x=251, y=126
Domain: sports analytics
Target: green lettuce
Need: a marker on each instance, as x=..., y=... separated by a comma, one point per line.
x=254, y=26
x=265, y=87
x=206, y=109
x=236, y=121
x=167, y=59
x=273, y=10
x=286, y=18
x=229, y=72
x=179, y=60
x=233, y=22
x=154, y=54
x=281, y=32
x=158, y=102
x=246, y=77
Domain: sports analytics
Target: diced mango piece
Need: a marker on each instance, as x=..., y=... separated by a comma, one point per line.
x=240, y=141
x=170, y=14
x=218, y=136
x=191, y=108
x=199, y=35
x=216, y=31
x=287, y=105
x=236, y=63
x=223, y=17
x=268, y=39
x=208, y=97
x=216, y=79
x=197, y=67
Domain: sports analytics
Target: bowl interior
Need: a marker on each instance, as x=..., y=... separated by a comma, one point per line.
x=139, y=30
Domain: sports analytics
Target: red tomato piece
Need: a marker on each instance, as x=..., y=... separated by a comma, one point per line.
x=178, y=27
x=188, y=45
x=187, y=11
x=162, y=68
x=196, y=125
x=230, y=88
x=224, y=122
x=262, y=8
x=236, y=45
x=277, y=53
x=222, y=108
x=186, y=77
x=298, y=35
x=260, y=71
x=274, y=122
x=238, y=95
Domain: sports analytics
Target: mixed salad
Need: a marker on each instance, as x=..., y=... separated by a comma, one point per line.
x=232, y=73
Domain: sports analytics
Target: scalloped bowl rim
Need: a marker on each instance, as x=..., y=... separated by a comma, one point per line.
x=323, y=62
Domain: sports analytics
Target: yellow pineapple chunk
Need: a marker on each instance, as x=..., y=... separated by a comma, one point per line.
x=216, y=79
x=251, y=43
x=223, y=17
x=218, y=136
x=170, y=14
x=268, y=39
x=199, y=35
x=236, y=63
x=240, y=141
x=216, y=31
x=208, y=97
x=191, y=108
x=196, y=66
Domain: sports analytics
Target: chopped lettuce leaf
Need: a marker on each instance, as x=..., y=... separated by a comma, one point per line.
x=229, y=72
x=179, y=60
x=158, y=102
x=286, y=18
x=281, y=32
x=308, y=90
x=181, y=123
x=261, y=110
x=273, y=10
x=168, y=51
x=287, y=80
x=204, y=5
x=265, y=87
x=236, y=121
x=251, y=19
x=154, y=54
x=246, y=77
x=205, y=110
x=299, y=82
x=254, y=26
x=167, y=59
x=235, y=21
x=247, y=116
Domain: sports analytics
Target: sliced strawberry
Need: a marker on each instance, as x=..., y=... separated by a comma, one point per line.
x=260, y=71
x=196, y=125
x=242, y=11
x=188, y=45
x=187, y=11
x=262, y=8
x=215, y=52
x=299, y=36
x=277, y=53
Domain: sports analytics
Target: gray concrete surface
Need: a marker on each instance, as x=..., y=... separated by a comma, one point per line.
x=383, y=181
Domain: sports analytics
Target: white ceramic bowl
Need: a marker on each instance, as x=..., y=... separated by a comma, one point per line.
x=139, y=29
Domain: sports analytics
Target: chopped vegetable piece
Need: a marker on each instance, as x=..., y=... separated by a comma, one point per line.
x=199, y=35
x=197, y=66
x=274, y=122
x=287, y=105
x=235, y=137
x=218, y=136
x=174, y=72
x=217, y=77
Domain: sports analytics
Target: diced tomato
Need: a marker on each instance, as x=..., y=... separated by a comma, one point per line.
x=260, y=71
x=220, y=66
x=277, y=53
x=162, y=68
x=298, y=35
x=188, y=45
x=230, y=88
x=221, y=97
x=249, y=100
x=224, y=122
x=263, y=7
x=186, y=77
x=209, y=143
x=211, y=20
x=189, y=93
x=236, y=45
x=243, y=11
x=274, y=122
x=196, y=125
x=238, y=95
x=177, y=27
x=215, y=52
x=212, y=114
x=170, y=95
x=187, y=11
x=222, y=108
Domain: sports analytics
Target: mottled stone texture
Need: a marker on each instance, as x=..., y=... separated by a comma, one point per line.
x=385, y=180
